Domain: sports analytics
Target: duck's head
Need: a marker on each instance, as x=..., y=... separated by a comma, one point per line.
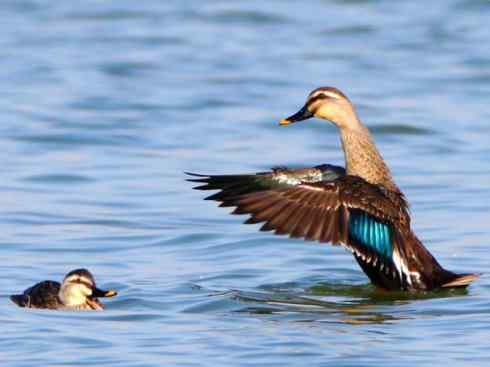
x=79, y=289
x=327, y=103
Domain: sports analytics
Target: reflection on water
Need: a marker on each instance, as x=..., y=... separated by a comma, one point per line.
x=334, y=303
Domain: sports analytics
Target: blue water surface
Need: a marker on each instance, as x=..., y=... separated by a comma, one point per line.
x=104, y=105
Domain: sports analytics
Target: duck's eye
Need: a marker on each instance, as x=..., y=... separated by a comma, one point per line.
x=316, y=98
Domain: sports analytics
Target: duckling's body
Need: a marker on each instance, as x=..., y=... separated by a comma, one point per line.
x=359, y=206
x=77, y=292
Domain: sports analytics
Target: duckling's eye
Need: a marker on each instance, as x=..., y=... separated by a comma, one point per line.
x=83, y=282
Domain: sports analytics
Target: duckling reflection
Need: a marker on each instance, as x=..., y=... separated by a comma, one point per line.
x=77, y=292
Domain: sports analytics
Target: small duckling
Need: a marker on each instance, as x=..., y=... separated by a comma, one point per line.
x=77, y=292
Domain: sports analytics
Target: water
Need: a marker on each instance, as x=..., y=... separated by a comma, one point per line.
x=105, y=104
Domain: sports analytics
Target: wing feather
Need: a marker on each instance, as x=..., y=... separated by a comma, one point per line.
x=316, y=226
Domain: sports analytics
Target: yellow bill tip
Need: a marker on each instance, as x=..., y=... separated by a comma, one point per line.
x=284, y=122
x=111, y=293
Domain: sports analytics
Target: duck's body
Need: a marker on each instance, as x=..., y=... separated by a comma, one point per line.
x=359, y=206
x=77, y=292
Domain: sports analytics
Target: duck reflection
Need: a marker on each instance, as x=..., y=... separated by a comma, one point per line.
x=334, y=303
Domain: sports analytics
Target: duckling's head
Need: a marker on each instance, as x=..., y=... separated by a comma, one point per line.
x=78, y=289
x=326, y=103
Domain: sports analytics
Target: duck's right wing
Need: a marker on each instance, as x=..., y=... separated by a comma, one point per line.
x=316, y=203
x=231, y=186
x=341, y=209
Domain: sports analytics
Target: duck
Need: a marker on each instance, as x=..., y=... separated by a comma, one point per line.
x=77, y=292
x=358, y=206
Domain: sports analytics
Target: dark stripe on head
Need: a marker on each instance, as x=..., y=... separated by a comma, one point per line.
x=88, y=285
x=331, y=90
x=323, y=93
x=85, y=277
x=314, y=99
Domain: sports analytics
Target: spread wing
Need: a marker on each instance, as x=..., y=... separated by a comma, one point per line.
x=318, y=204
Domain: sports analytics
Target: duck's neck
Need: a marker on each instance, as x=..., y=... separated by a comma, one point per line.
x=363, y=159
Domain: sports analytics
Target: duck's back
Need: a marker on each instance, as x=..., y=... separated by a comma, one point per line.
x=40, y=295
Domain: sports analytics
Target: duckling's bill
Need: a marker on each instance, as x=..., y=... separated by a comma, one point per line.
x=301, y=115
x=104, y=293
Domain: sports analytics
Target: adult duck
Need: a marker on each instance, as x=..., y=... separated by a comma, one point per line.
x=359, y=206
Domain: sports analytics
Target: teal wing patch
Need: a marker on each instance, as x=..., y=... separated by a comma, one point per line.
x=372, y=233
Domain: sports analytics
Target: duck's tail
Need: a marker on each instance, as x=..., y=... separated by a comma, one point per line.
x=461, y=280
x=20, y=300
x=420, y=261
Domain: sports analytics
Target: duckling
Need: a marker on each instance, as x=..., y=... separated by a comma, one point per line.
x=358, y=206
x=77, y=292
